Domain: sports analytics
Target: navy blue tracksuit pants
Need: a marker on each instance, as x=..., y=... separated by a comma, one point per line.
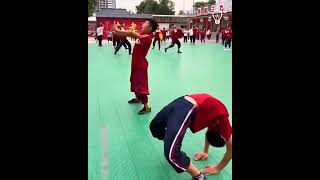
x=170, y=125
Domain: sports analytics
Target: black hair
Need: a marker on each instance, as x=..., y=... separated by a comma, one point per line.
x=153, y=24
x=214, y=138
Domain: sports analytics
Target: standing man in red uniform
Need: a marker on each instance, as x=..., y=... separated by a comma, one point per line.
x=196, y=111
x=139, y=63
x=164, y=34
x=223, y=35
x=203, y=35
x=175, y=39
x=156, y=38
x=228, y=35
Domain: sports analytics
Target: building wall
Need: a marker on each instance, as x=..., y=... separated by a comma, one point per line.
x=178, y=25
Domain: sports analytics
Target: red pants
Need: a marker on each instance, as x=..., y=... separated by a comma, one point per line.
x=142, y=97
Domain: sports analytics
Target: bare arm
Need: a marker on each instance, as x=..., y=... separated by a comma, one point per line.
x=214, y=169
x=126, y=33
x=227, y=156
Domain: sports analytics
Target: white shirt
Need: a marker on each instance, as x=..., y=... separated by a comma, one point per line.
x=100, y=31
x=185, y=32
x=191, y=32
x=208, y=32
x=168, y=33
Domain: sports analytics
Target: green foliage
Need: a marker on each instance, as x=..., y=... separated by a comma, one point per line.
x=90, y=7
x=202, y=3
x=165, y=7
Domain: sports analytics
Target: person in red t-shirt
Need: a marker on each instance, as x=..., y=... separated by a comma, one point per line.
x=223, y=36
x=194, y=29
x=164, y=34
x=196, y=111
x=156, y=38
x=203, y=34
x=228, y=37
x=123, y=41
x=139, y=63
x=175, y=39
x=198, y=34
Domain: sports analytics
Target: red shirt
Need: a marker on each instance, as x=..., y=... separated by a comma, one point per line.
x=140, y=50
x=174, y=35
x=164, y=33
x=229, y=34
x=210, y=112
x=157, y=32
x=194, y=31
x=202, y=33
x=139, y=65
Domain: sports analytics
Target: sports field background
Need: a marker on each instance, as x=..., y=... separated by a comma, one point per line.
x=120, y=145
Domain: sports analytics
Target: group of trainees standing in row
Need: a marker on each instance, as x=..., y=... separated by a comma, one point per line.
x=194, y=111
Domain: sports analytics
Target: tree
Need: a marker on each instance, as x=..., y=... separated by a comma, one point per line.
x=202, y=3
x=211, y=2
x=181, y=12
x=165, y=7
x=90, y=7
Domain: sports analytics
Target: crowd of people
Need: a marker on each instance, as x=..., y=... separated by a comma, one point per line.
x=161, y=36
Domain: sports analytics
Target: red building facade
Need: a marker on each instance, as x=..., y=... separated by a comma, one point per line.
x=108, y=17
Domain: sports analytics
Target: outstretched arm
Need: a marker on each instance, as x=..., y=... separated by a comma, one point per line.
x=125, y=33
x=203, y=155
x=225, y=160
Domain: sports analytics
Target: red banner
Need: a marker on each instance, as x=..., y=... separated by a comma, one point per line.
x=198, y=11
x=205, y=10
x=128, y=24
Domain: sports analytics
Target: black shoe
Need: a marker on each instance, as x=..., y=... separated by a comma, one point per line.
x=134, y=101
x=130, y=53
x=179, y=52
x=145, y=110
x=165, y=49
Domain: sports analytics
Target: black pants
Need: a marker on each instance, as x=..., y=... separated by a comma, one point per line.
x=175, y=42
x=185, y=39
x=114, y=43
x=123, y=42
x=217, y=38
x=227, y=42
x=202, y=39
x=109, y=39
x=223, y=40
x=154, y=43
x=100, y=40
x=192, y=39
x=170, y=125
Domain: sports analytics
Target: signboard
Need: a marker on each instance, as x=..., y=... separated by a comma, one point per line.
x=212, y=8
x=205, y=10
x=198, y=11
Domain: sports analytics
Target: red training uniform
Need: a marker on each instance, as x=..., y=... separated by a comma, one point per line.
x=139, y=65
x=174, y=35
x=157, y=35
x=164, y=33
x=210, y=113
x=229, y=34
